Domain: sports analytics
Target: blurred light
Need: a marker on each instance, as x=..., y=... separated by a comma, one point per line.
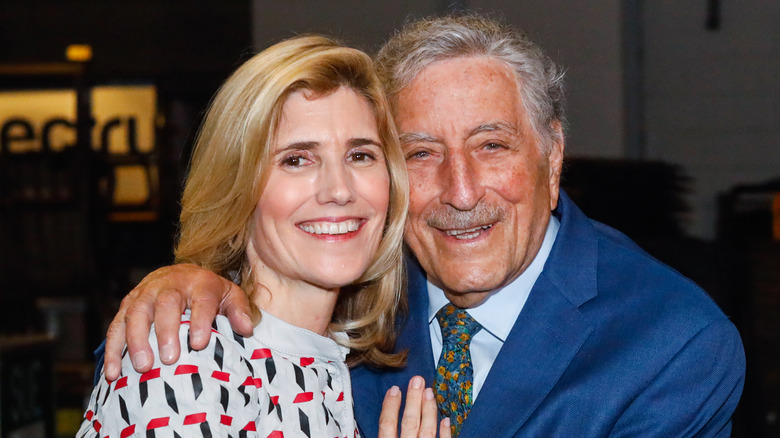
x=78, y=52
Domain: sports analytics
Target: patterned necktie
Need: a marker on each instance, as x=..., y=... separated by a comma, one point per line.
x=454, y=374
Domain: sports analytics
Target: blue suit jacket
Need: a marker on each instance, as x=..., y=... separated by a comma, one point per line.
x=610, y=343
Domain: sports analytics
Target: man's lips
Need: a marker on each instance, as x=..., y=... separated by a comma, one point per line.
x=332, y=228
x=468, y=233
x=465, y=225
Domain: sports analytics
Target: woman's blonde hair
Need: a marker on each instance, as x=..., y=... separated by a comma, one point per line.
x=226, y=179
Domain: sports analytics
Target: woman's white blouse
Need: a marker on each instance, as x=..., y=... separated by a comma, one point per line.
x=282, y=381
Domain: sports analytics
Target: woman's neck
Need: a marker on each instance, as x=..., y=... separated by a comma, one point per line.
x=296, y=302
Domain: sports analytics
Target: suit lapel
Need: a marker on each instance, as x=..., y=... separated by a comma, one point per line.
x=546, y=336
x=415, y=336
x=535, y=354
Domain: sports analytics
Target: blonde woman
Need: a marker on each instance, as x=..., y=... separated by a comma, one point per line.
x=297, y=187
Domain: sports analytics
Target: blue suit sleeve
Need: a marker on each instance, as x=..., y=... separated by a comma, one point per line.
x=100, y=355
x=696, y=392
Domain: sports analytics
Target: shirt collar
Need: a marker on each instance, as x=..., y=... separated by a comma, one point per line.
x=296, y=341
x=497, y=314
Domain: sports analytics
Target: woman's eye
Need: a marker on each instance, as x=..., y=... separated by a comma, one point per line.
x=361, y=157
x=294, y=161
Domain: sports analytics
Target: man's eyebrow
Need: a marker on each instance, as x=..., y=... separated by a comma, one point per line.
x=415, y=137
x=495, y=126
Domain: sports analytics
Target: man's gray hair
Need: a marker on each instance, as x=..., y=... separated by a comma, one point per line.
x=426, y=41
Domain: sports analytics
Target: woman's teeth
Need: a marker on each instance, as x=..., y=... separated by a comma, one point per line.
x=343, y=227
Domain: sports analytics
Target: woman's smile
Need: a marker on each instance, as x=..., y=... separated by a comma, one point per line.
x=332, y=227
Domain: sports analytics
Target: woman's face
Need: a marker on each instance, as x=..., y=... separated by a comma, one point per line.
x=321, y=214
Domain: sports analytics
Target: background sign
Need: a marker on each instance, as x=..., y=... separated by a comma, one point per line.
x=123, y=123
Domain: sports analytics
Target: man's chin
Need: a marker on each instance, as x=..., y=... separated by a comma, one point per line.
x=467, y=300
x=470, y=291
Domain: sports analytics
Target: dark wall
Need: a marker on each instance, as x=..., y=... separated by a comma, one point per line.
x=187, y=46
x=185, y=49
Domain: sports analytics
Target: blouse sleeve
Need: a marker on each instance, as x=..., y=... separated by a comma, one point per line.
x=211, y=392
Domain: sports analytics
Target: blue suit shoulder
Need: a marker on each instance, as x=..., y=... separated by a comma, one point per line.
x=627, y=272
x=680, y=353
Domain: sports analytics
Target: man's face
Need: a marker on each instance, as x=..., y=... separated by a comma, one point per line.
x=481, y=189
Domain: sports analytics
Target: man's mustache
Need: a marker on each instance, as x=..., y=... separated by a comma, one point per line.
x=446, y=217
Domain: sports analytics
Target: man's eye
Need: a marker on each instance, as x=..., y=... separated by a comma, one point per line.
x=417, y=154
x=494, y=146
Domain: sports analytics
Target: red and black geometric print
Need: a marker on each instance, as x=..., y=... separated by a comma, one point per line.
x=236, y=387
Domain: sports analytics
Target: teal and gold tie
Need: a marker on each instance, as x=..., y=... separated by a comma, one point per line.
x=454, y=374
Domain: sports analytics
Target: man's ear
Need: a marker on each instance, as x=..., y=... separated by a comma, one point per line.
x=555, y=163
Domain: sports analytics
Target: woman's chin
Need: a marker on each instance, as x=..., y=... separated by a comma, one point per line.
x=335, y=280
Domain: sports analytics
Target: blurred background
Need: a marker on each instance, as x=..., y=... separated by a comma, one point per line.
x=674, y=139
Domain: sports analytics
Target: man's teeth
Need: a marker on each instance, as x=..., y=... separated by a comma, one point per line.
x=467, y=234
x=331, y=228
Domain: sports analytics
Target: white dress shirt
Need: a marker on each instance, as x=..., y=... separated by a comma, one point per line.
x=497, y=314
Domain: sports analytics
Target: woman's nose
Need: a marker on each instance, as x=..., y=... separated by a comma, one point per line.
x=335, y=185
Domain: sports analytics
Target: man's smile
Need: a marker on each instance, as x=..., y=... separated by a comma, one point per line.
x=468, y=234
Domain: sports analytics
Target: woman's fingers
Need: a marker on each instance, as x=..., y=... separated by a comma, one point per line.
x=429, y=411
x=444, y=428
x=420, y=416
x=411, y=420
x=388, y=419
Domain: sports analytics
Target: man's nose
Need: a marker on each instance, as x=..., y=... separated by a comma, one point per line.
x=460, y=179
x=335, y=185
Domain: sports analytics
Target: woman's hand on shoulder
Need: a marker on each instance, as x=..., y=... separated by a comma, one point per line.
x=420, y=413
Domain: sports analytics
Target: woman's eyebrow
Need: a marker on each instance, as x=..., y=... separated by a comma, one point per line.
x=309, y=145
x=297, y=146
x=355, y=142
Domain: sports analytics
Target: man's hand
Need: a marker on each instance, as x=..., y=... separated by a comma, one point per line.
x=161, y=297
x=419, y=419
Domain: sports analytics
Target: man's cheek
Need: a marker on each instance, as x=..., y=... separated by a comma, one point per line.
x=514, y=186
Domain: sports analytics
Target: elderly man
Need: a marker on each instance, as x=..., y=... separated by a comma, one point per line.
x=566, y=327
